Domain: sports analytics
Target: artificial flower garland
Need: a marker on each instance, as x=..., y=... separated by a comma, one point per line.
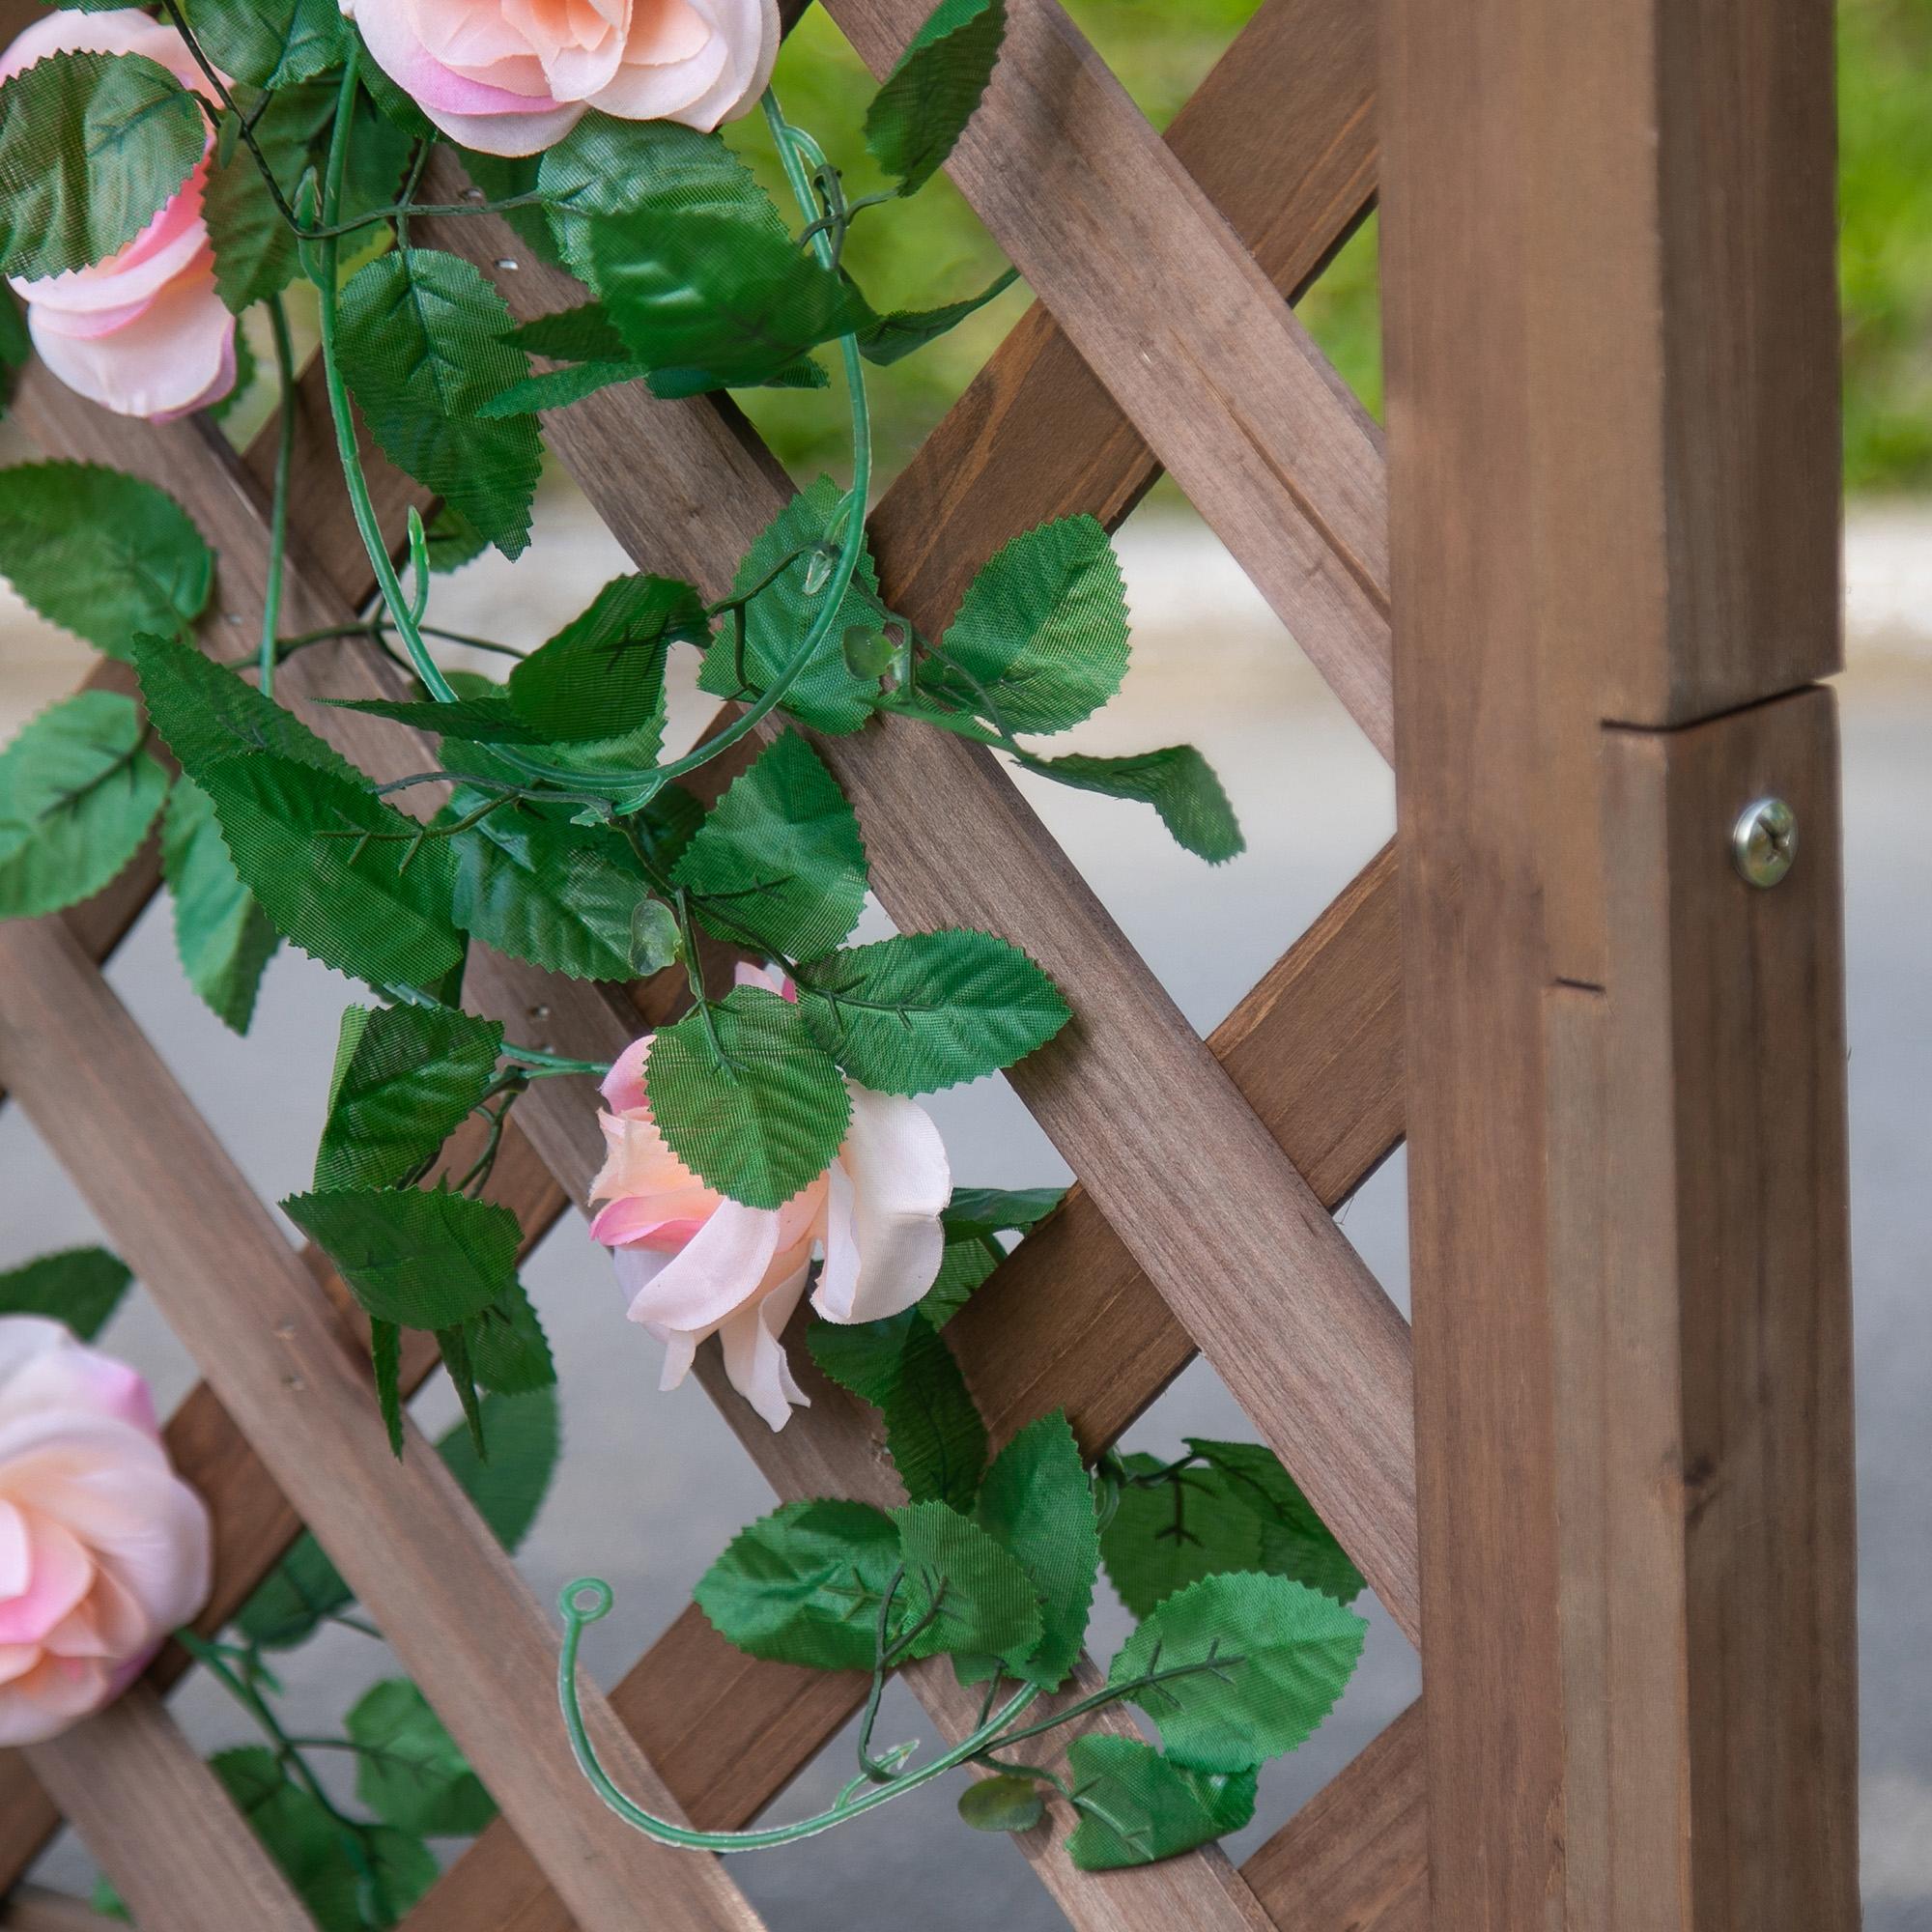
x=769, y=1146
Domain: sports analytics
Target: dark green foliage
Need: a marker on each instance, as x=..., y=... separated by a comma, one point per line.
x=929, y=1009
x=602, y=675
x=751, y=650
x=378, y=907
x=1136, y=1805
x=406, y=1079
x=81, y=1287
x=420, y=1257
x=962, y=1592
x=255, y=253
x=927, y=100
x=92, y=147
x=1237, y=1669
x=1295, y=1543
x=903, y=1368
x=1002, y=1804
x=779, y=860
x=422, y=344
x=747, y=1099
x=1178, y=782
x=101, y=553
x=886, y=338
x=207, y=714
x=77, y=795
x=409, y=1770
x=270, y=44
x=804, y=1585
x=224, y=938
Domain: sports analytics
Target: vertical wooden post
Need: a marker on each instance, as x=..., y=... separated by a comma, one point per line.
x=1612, y=378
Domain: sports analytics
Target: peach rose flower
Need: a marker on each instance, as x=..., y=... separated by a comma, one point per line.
x=144, y=333
x=514, y=76
x=104, y=1550
x=696, y=1264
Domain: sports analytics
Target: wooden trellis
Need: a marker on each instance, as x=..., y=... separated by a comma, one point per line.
x=1612, y=386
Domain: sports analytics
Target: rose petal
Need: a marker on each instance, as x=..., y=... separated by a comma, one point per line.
x=884, y=1241
x=176, y=357
x=713, y=1272
x=47, y=1699
x=754, y=1358
x=59, y=1575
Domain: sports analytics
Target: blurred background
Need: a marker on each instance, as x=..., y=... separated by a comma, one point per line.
x=651, y=1486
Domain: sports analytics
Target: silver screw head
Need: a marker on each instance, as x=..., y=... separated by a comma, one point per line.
x=1764, y=841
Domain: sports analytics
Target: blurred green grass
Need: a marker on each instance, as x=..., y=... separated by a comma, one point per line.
x=937, y=250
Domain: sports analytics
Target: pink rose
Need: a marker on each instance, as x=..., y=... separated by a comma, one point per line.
x=514, y=76
x=104, y=1550
x=144, y=333
x=696, y=1264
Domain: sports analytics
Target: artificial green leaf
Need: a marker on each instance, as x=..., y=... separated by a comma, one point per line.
x=1041, y=639
x=1036, y=1501
x=508, y=1490
x=1295, y=1542
x=804, y=1585
x=753, y=647
x=558, y=388
x=298, y=1594
x=92, y=147
x=255, y=250
x=1237, y=1669
x=890, y=337
x=407, y=1078
x=224, y=938
x=375, y=906
x=584, y=333
x=310, y=1846
x=746, y=1099
x=272, y=43
x=205, y=712
x=423, y=1257
x=922, y=110
x=566, y=897
x=386, y=1361
x=81, y=1287
x=503, y=176
x=903, y=1368
x=1165, y=1534
x=16, y=346
x=602, y=675
x=969, y=1596
x=101, y=553
x=1002, y=1804
x=483, y=718
x=408, y=1769
x=1178, y=782
x=963, y=1265
x=779, y=862
x=77, y=795
x=422, y=345
x=454, y=540
x=1136, y=1805
x=929, y=1009
x=508, y=1348
x=998, y=1210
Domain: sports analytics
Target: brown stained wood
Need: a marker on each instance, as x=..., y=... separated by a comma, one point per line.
x=462, y=1622
x=1070, y=1319
x=1587, y=214
x=1201, y=1193
x=1355, y=1857
x=161, y=1826
x=1711, y=1340
x=1216, y=374
x=1281, y=138
x=35, y=1909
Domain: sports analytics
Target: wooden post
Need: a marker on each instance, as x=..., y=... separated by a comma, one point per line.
x=1612, y=378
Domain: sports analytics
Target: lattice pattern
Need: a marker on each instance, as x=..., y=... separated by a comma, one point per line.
x=1275, y=1120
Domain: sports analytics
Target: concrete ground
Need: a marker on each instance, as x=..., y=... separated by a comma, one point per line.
x=652, y=1486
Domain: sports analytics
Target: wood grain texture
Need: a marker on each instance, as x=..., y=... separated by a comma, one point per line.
x=1201, y=1193
x=161, y=1826
x=1212, y=368
x=1355, y=1857
x=1607, y=1344
x=33, y=1907
x=450, y=1601
x=1281, y=138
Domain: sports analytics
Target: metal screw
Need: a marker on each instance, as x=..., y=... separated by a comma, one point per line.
x=1764, y=841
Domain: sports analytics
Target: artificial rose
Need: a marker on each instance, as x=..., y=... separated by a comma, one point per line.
x=143, y=333
x=104, y=1550
x=514, y=76
x=696, y=1264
